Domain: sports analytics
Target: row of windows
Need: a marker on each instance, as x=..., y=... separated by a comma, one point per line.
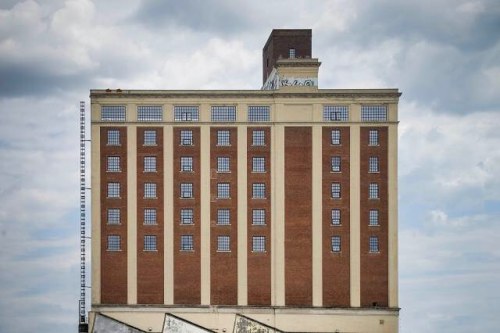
x=373, y=191
x=227, y=113
x=336, y=217
x=373, y=137
x=373, y=164
x=336, y=244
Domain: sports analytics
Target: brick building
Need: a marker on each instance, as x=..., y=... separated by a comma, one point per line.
x=233, y=210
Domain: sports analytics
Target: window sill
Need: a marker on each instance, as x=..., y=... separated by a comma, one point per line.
x=113, y=171
x=152, y=224
x=108, y=250
x=262, y=172
x=150, y=250
x=256, y=252
x=336, y=198
x=223, y=251
x=335, y=171
x=223, y=171
x=373, y=225
x=186, y=197
x=187, y=251
x=336, y=225
x=259, y=225
x=374, y=171
x=259, y=198
x=150, y=171
x=222, y=145
x=150, y=145
x=113, y=197
x=374, y=252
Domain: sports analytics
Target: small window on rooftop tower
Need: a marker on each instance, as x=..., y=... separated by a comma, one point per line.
x=291, y=53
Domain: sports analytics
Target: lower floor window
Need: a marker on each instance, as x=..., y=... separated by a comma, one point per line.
x=114, y=243
x=335, y=243
x=149, y=243
x=374, y=244
x=223, y=244
x=187, y=243
x=258, y=244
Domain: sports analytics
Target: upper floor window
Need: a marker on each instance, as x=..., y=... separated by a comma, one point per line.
x=113, y=112
x=186, y=190
x=259, y=217
x=258, y=113
x=223, y=191
x=258, y=244
x=373, y=191
x=113, y=164
x=149, y=164
x=186, y=216
x=258, y=138
x=336, y=190
x=259, y=191
x=224, y=113
x=114, y=243
x=336, y=244
x=149, y=137
x=186, y=113
x=373, y=165
x=373, y=138
x=113, y=138
x=258, y=164
x=149, y=190
x=291, y=53
x=373, y=113
x=373, y=217
x=186, y=138
x=223, y=217
x=223, y=164
x=186, y=163
x=374, y=246
x=336, y=163
x=335, y=113
x=336, y=217
x=336, y=137
x=113, y=215
x=113, y=190
x=223, y=244
x=149, y=243
x=149, y=216
x=223, y=138
x=187, y=243
x=149, y=113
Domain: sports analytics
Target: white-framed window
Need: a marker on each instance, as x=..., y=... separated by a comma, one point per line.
x=114, y=243
x=373, y=165
x=113, y=215
x=113, y=164
x=223, y=216
x=223, y=164
x=336, y=217
x=258, y=217
x=373, y=113
x=113, y=190
x=258, y=138
x=374, y=246
x=336, y=191
x=291, y=53
x=113, y=138
x=373, y=217
x=223, y=191
x=373, y=191
x=150, y=138
x=258, y=164
x=373, y=138
x=258, y=244
x=149, y=113
x=336, y=164
x=150, y=243
x=149, y=190
x=186, y=190
x=223, y=244
x=336, y=137
x=186, y=163
x=186, y=216
x=335, y=113
x=186, y=138
x=258, y=191
x=186, y=113
x=336, y=246
x=150, y=164
x=113, y=112
x=150, y=216
x=258, y=113
x=225, y=113
x=223, y=138
x=187, y=243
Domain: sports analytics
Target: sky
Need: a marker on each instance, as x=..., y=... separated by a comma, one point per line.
x=444, y=55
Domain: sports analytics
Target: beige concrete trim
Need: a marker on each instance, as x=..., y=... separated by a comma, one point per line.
x=242, y=216
x=355, y=206
x=132, y=215
x=393, y=215
x=317, y=209
x=355, y=112
x=168, y=215
x=205, y=213
x=278, y=213
x=95, y=204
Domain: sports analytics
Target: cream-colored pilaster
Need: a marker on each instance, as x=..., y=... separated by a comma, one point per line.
x=317, y=209
x=95, y=184
x=131, y=215
x=205, y=213
x=242, y=216
x=393, y=215
x=168, y=215
x=278, y=214
x=355, y=230
x=204, y=112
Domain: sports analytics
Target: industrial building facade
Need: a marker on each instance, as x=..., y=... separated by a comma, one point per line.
x=271, y=209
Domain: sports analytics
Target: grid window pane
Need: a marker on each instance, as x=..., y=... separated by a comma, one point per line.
x=373, y=113
x=336, y=217
x=258, y=244
x=150, y=138
x=150, y=216
x=373, y=217
x=149, y=113
x=186, y=163
x=223, y=191
x=291, y=53
x=186, y=190
x=113, y=112
x=258, y=113
x=186, y=138
x=336, y=137
x=373, y=165
x=259, y=217
x=336, y=163
x=149, y=190
x=223, y=244
x=258, y=164
x=149, y=164
x=186, y=216
x=373, y=138
x=113, y=190
x=187, y=243
x=336, y=244
x=113, y=216
x=259, y=191
x=373, y=191
x=113, y=138
x=335, y=113
x=186, y=113
x=223, y=138
x=114, y=243
x=336, y=190
x=149, y=243
x=223, y=216
x=224, y=113
x=258, y=138
x=113, y=164
x=374, y=244
x=222, y=164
